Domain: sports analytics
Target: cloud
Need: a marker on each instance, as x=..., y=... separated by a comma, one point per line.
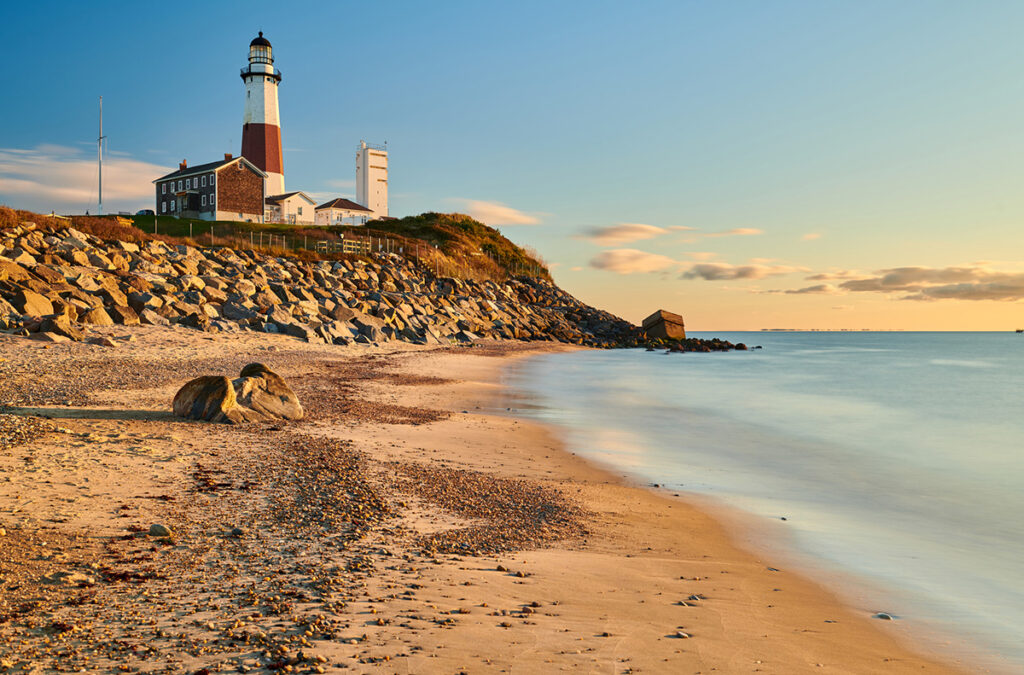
x=967, y=282
x=702, y=255
x=720, y=271
x=622, y=233
x=64, y=179
x=496, y=213
x=826, y=289
x=575, y=269
x=837, y=275
x=630, y=261
x=340, y=183
x=811, y=236
x=736, y=232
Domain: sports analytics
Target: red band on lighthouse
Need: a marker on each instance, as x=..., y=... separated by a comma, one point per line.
x=261, y=145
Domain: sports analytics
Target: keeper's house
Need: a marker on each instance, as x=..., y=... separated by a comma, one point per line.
x=231, y=189
x=342, y=211
x=294, y=208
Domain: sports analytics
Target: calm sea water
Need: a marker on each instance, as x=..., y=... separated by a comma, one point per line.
x=897, y=458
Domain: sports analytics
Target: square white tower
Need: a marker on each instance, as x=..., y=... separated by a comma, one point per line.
x=372, y=178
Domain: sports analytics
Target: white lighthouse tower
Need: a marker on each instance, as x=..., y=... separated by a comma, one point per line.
x=261, y=129
x=372, y=178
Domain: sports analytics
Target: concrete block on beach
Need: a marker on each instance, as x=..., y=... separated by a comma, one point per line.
x=666, y=325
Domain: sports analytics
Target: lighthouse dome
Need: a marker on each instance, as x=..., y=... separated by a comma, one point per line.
x=260, y=51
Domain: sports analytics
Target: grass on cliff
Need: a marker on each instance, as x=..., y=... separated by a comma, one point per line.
x=463, y=238
x=447, y=244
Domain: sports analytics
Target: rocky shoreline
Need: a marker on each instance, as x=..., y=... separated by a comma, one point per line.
x=56, y=283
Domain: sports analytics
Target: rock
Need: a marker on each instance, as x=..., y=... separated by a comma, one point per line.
x=97, y=317
x=124, y=315
x=102, y=341
x=49, y=337
x=143, y=301
x=151, y=318
x=158, y=530
x=264, y=391
x=12, y=271
x=211, y=398
x=884, y=616
x=31, y=303
x=61, y=325
x=69, y=579
x=196, y=320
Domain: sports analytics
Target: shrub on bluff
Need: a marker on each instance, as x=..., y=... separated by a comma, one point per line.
x=258, y=394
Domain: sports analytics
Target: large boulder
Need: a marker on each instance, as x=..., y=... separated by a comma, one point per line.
x=211, y=398
x=258, y=394
x=264, y=391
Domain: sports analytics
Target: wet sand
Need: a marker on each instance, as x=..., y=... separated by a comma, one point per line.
x=405, y=526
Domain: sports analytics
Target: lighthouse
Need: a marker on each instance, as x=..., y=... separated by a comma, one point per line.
x=261, y=129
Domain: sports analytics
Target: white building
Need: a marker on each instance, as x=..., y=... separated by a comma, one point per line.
x=293, y=208
x=372, y=178
x=342, y=211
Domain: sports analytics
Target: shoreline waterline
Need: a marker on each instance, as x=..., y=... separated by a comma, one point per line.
x=542, y=390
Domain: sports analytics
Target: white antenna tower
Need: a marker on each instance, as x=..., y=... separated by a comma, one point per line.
x=99, y=157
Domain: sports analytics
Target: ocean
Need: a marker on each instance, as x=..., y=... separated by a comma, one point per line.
x=896, y=458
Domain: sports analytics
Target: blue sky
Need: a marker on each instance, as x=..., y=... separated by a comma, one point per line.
x=773, y=147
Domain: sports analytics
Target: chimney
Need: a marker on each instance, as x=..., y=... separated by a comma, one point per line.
x=227, y=156
x=183, y=165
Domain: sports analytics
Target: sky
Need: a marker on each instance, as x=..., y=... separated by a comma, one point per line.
x=747, y=164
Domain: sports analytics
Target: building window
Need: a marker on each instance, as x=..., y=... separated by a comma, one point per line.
x=179, y=186
x=300, y=210
x=172, y=205
x=211, y=200
x=204, y=181
x=163, y=207
x=211, y=179
x=188, y=183
x=163, y=188
x=204, y=200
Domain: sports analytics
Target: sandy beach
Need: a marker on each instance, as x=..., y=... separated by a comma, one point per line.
x=409, y=524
